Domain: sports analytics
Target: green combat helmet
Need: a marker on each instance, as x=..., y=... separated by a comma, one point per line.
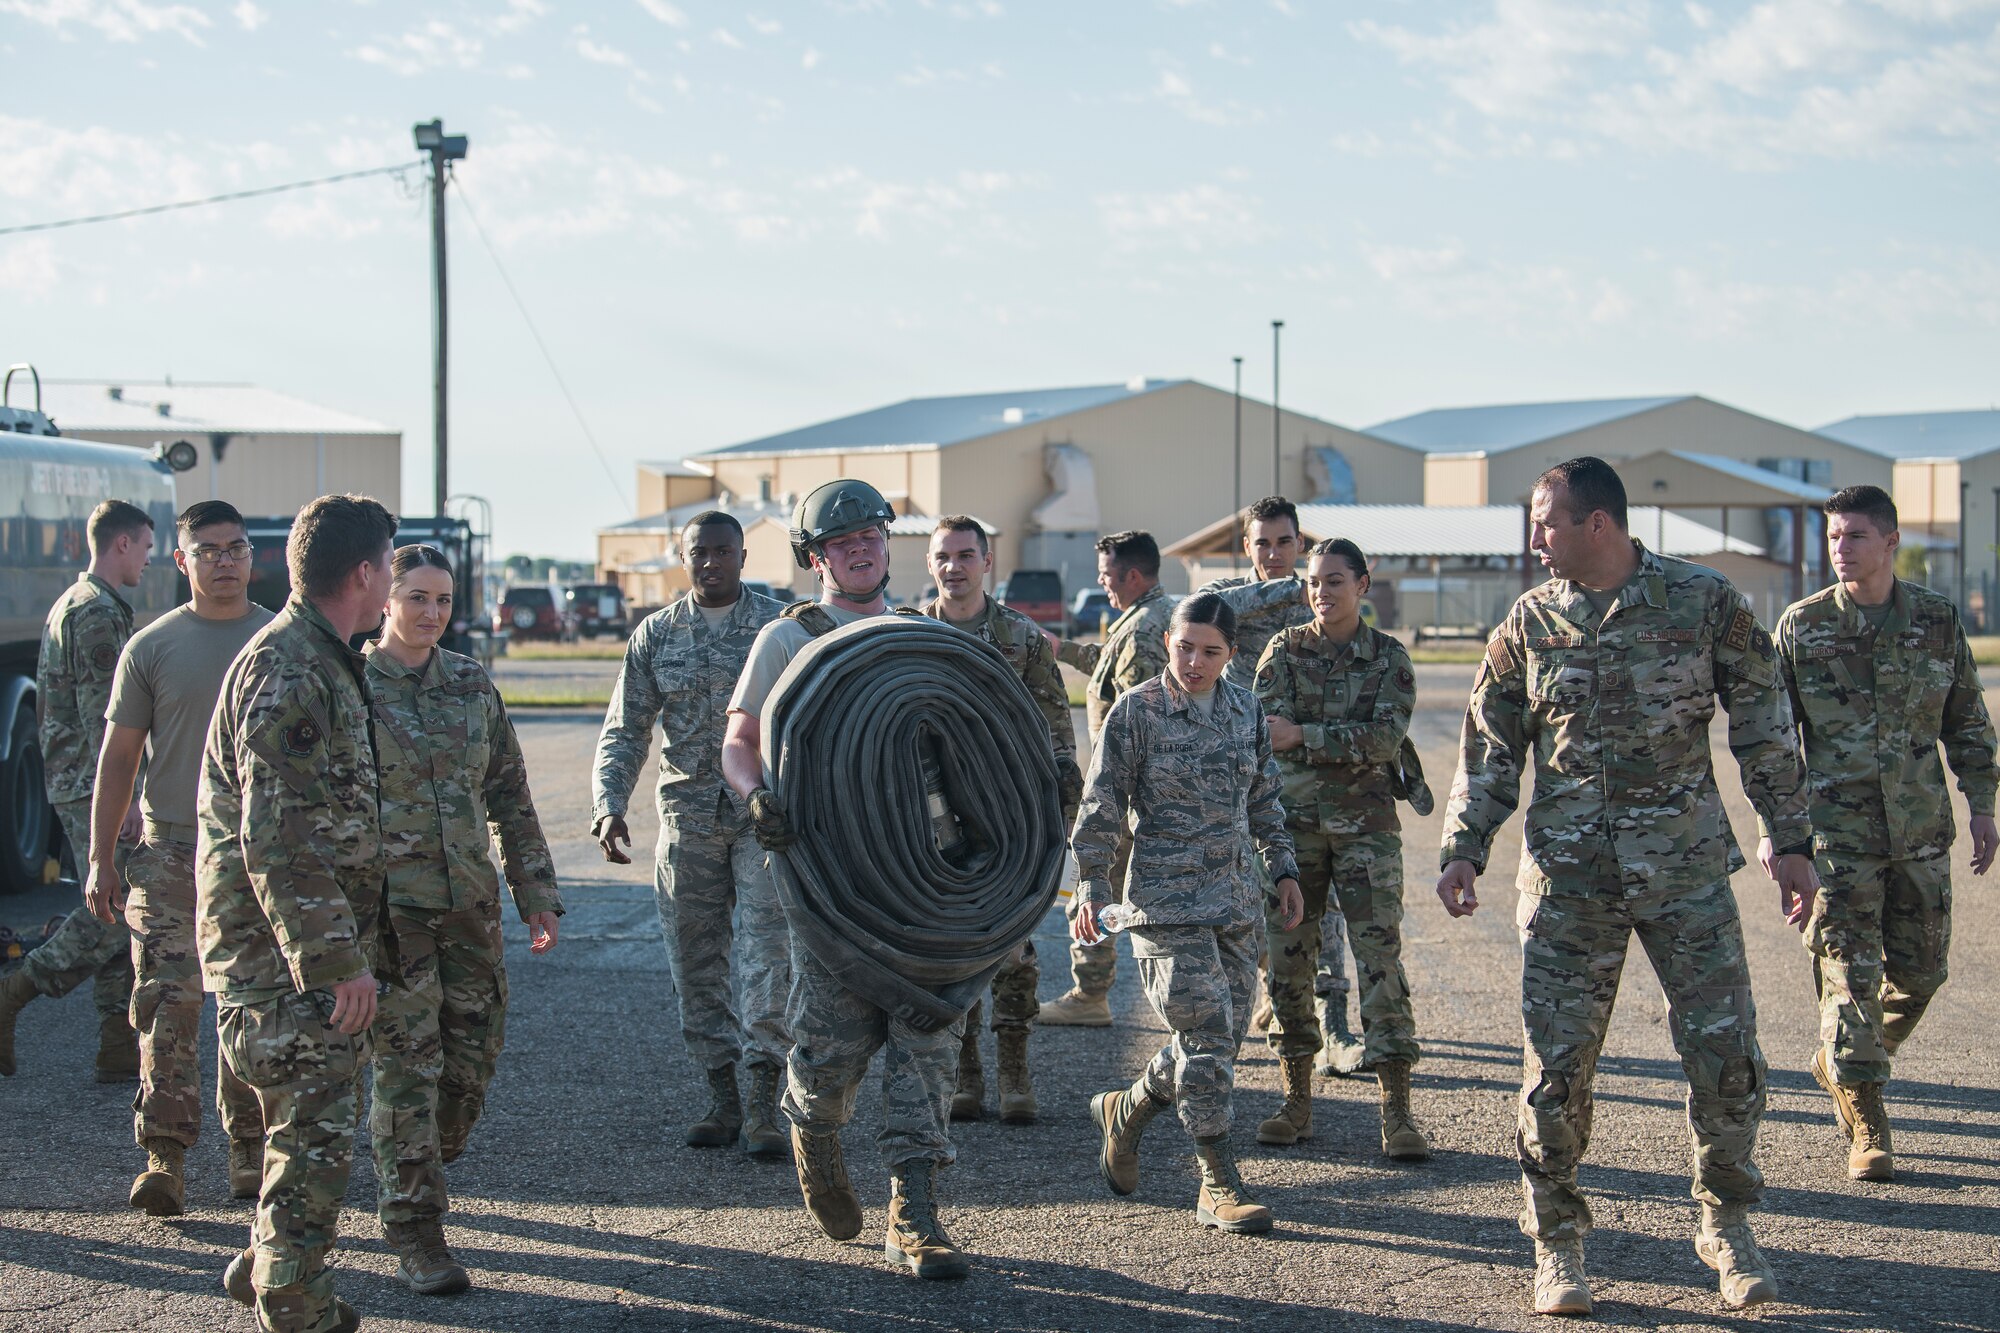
x=834, y=510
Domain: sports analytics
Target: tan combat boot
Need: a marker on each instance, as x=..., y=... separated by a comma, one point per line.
x=1863, y=1121
x=1076, y=1009
x=117, y=1050
x=1017, y=1088
x=1402, y=1140
x=1560, y=1286
x=1121, y=1117
x=761, y=1136
x=719, y=1127
x=163, y=1184
x=1343, y=1052
x=829, y=1194
x=1726, y=1245
x=916, y=1239
x=1223, y=1202
x=426, y=1266
x=455, y=1118
x=236, y=1281
x=17, y=989
x=1294, y=1120
x=968, y=1099
x=246, y=1168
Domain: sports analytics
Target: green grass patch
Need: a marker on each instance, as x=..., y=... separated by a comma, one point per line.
x=1985, y=649
x=1448, y=654
x=527, y=694
x=601, y=650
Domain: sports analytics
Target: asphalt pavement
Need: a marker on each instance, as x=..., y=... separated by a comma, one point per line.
x=577, y=1207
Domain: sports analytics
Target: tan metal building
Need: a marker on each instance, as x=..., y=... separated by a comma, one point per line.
x=265, y=452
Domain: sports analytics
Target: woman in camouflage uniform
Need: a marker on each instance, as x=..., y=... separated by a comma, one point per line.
x=1188, y=755
x=1339, y=695
x=452, y=778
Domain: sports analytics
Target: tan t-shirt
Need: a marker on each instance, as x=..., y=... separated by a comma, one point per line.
x=775, y=647
x=168, y=680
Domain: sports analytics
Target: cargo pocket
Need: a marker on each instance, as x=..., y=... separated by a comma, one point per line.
x=287, y=1040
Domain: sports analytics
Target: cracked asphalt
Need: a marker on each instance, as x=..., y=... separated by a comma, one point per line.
x=578, y=1208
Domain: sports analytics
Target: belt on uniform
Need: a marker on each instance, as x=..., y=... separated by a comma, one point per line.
x=159, y=830
x=918, y=774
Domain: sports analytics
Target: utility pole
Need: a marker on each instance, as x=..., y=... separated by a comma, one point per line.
x=1277, y=463
x=1236, y=473
x=443, y=149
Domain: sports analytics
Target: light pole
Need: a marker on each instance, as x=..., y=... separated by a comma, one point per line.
x=1236, y=472
x=1277, y=466
x=444, y=149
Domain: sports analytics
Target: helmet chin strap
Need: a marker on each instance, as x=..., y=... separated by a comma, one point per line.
x=843, y=590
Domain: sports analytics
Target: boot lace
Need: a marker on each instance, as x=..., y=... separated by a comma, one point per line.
x=1562, y=1265
x=823, y=1160
x=1872, y=1118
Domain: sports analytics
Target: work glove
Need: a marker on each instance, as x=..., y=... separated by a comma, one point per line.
x=767, y=820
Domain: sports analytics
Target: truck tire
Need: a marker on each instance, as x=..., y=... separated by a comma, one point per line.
x=24, y=809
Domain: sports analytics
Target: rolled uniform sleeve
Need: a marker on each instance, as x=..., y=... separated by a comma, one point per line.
x=289, y=823
x=1968, y=731
x=1762, y=733
x=525, y=861
x=1082, y=656
x=1493, y=745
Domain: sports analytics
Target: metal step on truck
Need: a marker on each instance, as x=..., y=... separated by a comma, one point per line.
x=48, y=486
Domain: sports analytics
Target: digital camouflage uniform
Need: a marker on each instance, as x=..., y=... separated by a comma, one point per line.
x=708, y=865
x=1626, y=832
x=1021, y=642
x=1134, y=650
x=289, y=904
x=1872, y=706
x=1202, y=792
x=1263, y=608
x=453, y=781
x=85, y=631
x=1353, y=703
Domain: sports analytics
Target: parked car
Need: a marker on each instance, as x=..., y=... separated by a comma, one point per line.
x=1089, y=612
x=597, y=608
x=530, y=612
x=1036, y=594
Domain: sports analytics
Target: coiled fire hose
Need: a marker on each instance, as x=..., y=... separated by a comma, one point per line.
x=918, y=774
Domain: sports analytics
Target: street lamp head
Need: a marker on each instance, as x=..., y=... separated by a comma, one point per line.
x=432, y=139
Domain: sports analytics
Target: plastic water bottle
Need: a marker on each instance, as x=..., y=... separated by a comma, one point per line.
x=1116, y=917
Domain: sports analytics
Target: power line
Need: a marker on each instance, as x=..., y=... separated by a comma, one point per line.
x=231, y=197
x=547, y=356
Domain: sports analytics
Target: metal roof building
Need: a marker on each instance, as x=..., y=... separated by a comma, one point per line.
x=1959, y=435
x=1507, y=426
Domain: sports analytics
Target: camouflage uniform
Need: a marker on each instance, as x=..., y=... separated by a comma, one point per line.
x=1626, y=832
x=1202, y=791
x=1134, y=650
x=1353, y=703
x=1872, y=706
x=708, y=864
x=289, y=903
x=1021, y=642
x=452, y=781
x=1264, y=608
x=85, y=631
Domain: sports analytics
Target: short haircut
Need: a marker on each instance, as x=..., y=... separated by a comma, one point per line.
x=416, y=556
x=1205, y=608
x=963, y=523
x=332, y=535
x=1132, y=550
x=205, y=514
x=1346, y=549
x=1589, y=484
x=1268, y=509
x=114, y=519
x=1871, y=502
x=714, y=518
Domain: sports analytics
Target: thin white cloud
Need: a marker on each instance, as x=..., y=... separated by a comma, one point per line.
x=810, y=60
x=28, y=268
x=602, y=53
x=115, y=20
x=1173, y=88
x=249, y=17
x=1202, y=217
x=1446, y=283
x=764, y=27
x=517, y=15
x=431, y=45
x=669, y=14
x=724, y=37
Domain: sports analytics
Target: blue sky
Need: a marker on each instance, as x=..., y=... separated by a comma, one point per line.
x=731, y=220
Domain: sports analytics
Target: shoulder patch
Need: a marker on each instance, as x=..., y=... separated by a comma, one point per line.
x=302, y=738
x=104, y=657
x=1405, y=678
x=1742, y=626
x=1500, y=657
